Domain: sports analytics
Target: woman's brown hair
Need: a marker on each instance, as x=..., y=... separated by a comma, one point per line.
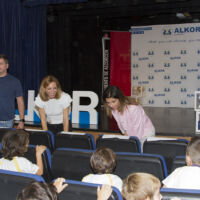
x=115, y=92
x=45, y=83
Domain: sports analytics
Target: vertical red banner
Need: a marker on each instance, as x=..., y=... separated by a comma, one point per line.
x=120, y=61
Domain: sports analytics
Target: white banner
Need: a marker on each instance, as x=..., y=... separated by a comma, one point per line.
x=165, y=60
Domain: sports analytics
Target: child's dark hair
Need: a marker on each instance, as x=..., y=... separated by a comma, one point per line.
x=193, y=150
x=14, y=143
x=39, y=191
x=103, y=160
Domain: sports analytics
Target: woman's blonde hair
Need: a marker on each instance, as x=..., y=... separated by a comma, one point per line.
x=45, y=83
x=115, y=92
x=139, y=186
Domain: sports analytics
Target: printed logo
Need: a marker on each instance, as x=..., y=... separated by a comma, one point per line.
x=183, y=77
x=166, y=89
x=135, y=65
x=183, y=90
x=166, y=64
x=183, y=65
x=150, y=65
x=166, y=52
x=150, y=77
x=167, y=31
x=151, y=52
x=151, y=89
x=151, y=101
x=183, y=52
x=166, y=77
x=190, y=95
x=183, y=102
x=167, y=102
x=135, y=53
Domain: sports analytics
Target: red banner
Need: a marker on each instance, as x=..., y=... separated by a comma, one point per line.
x=120, y=61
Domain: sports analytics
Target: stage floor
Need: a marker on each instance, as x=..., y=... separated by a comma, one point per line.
x=167, y=121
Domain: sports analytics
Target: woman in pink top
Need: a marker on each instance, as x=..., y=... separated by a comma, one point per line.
x=131, y=117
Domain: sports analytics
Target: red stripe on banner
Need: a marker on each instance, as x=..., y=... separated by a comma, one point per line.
x=120, y=61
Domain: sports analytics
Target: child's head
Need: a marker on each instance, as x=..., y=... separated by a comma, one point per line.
x=14, y=143
x=141, y=186
x=39, y=191
x=103, y=161
x=193, y=151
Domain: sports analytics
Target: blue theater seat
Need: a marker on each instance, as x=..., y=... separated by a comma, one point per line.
x=46, y=159
x=128, y=163
x=74, y=140
x=85, y=191
x=3, y=131
x=71, y=163
x=183, y=194
x=178, y=161
x=40, y=137
x=11, y=183
x=169, y=149
x=119, y=143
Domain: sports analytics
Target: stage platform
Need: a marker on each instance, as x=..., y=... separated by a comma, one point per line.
x=167, y=122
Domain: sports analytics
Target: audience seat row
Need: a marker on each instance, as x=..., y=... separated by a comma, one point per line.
x=160, y=150
x=11, y=183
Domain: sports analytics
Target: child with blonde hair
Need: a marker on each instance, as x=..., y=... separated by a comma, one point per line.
x=141, y=186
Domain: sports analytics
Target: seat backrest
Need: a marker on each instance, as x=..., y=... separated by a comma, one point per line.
x=119, y=143
x=71, y=163
x=183, y=194
x=11, y=183
x=85, y=191
x=128, y=163
x=3, y=131
x=40, y=137
x=178, y=161
x=169, y=149
x=46, y=159
x=74, y=140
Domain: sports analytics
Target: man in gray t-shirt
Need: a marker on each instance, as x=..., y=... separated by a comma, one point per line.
x=11, y=89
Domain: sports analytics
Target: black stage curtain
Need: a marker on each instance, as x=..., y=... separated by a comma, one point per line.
x=23, y=40
x=46, y=2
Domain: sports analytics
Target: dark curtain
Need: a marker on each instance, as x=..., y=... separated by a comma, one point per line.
x=23, y=40
x=46, y=2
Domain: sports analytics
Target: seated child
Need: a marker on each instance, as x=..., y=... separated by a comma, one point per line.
x=141, y=186
x=48, y=191
x=187, y=177
x=103, y=162
x=14, y=145
x=42, y=191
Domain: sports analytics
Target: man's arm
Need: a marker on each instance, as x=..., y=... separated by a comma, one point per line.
x=21, y=107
